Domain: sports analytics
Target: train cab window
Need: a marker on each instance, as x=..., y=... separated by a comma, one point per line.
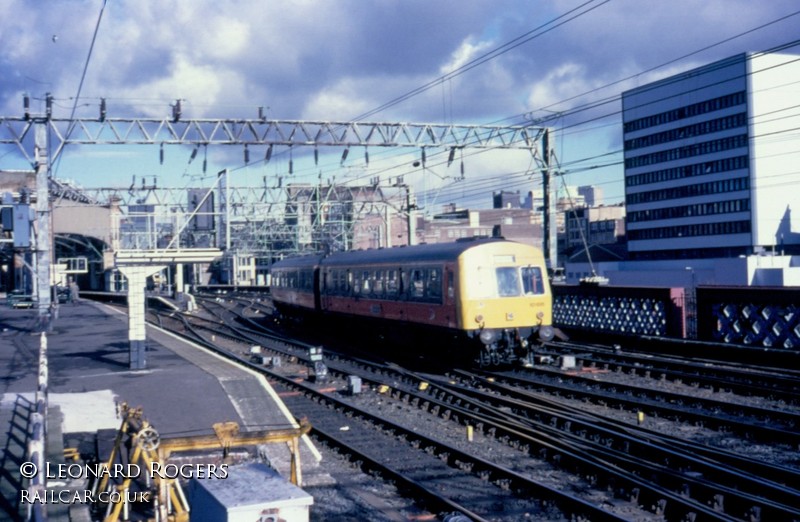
x=507, y=281
x=532, y=282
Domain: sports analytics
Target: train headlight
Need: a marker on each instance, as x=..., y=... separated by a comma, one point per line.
x=488, y=337
x=479, y=319
x=546, y=333
x=540, y=315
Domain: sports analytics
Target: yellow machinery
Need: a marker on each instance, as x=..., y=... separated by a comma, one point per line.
x=146, y=450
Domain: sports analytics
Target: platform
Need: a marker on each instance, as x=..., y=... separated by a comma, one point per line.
x=183, y=391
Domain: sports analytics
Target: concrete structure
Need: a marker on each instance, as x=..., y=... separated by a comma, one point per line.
x=252, y=492
x=711, y=160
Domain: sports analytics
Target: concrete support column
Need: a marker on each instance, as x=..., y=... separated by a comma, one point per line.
x=137, y=333
x=179, y=280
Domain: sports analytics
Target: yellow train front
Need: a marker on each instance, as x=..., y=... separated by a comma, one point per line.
x=486, y=298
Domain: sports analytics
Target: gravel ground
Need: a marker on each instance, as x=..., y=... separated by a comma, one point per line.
x=349, y=494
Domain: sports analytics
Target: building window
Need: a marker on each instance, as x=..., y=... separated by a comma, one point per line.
x=723, y=102
x=698, y=129
x=701, y=229
x=688, y=191
x=688, y=171
x=699, y=209
x=698, y=149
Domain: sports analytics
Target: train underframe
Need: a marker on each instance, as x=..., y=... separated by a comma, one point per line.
x=487, y=347
x=503, y=346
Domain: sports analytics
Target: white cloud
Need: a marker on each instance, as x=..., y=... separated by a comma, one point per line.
x=565, y=81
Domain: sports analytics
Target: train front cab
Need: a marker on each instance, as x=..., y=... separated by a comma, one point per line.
x=505, y=301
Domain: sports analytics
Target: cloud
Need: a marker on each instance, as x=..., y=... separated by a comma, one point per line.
x=317, y=59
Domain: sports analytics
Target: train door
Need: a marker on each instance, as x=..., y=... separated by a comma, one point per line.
x=449, y=297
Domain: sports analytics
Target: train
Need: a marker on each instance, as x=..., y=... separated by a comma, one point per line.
x=489, y=298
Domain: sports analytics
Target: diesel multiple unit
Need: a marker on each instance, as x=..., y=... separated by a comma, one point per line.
x=488, y=298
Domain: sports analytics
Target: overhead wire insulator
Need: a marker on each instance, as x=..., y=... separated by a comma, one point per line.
x=316, y=156
x=26, y=106
x=194, y=154
x=176, y=110
x=452, y=156
x=423, y=157
x=161, y=155
x=366, y=156
x=345, y=152
x=205, y=158
x=102, y=109
x=268, y=155
x=246, y=154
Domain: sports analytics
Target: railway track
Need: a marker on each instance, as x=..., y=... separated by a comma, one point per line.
x=771, y=383
x=761, y=424
x=445, y=478
x=683, y=483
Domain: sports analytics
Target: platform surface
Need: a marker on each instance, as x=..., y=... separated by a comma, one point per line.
x=183, y=391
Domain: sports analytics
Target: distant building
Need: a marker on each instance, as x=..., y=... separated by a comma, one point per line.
x=506, y=199
x=592, y=196
x=595, y=225
x=711, y=160
x=514, y=223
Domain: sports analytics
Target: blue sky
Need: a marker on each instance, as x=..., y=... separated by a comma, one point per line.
x=336, y=60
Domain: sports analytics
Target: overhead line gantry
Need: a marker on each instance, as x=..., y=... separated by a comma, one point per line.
x=151, y=131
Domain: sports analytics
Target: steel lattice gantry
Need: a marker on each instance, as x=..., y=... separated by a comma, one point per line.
x=143, y=131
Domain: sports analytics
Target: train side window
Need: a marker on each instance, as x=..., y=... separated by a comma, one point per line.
x=350, y=285
x=391, y=283
x=366, y=284
x=378, y=286
x=532, y=282
x=416, y=287
x=341, y=282
x=434, y=286
x=507, y=281
x=403, y=284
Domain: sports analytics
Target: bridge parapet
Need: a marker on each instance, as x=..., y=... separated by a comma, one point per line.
x=620, y=310
x=756, y=316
